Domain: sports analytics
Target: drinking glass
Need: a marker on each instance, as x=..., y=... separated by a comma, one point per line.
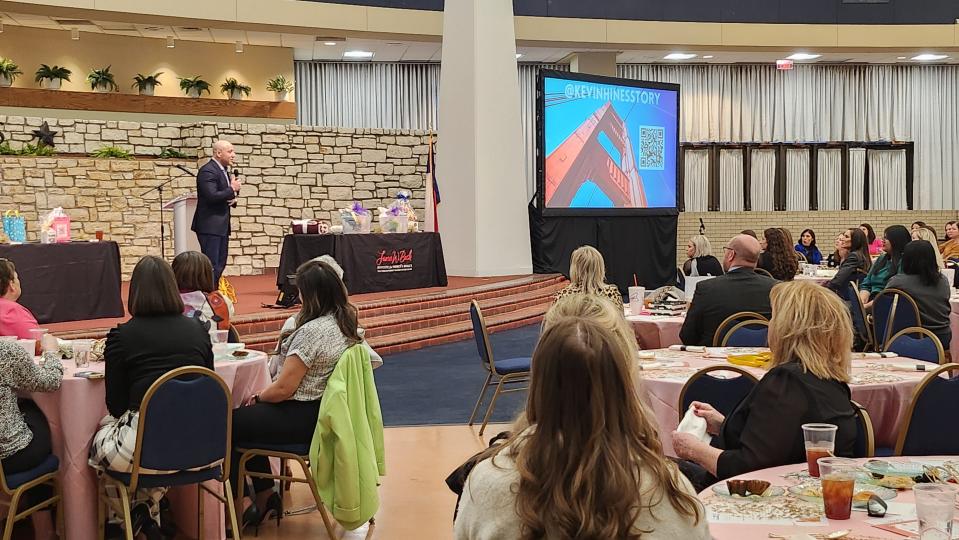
x=219, y=336
x=935, y=508
x=36, y=334
x=81, y=352
x=838, y=482
x=29, y=345
x=820, y=442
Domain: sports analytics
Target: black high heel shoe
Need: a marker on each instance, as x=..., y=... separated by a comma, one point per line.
x=251, y=516
x=273, y=508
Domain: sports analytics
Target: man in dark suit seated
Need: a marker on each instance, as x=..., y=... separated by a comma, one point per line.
x=741, y=289
x=216, y=190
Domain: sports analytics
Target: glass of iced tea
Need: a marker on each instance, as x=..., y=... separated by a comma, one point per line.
x=838, y=482
x=820, y=442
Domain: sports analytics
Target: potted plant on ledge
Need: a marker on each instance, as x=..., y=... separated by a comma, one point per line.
x=234, y=90
x=9, y=70
x=101, y=80
x=52, y=77
x=194, y=86
x=280, y=87
x=146, y=84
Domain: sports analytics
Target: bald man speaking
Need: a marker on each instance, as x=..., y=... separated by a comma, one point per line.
x=216, y=190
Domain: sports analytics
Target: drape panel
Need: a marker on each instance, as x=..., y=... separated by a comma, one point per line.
x=829, y=179
x=731, y=190
x=697, y=181
x=857, y=180
x=887, y=179
x=763, y=180
x=797, y=179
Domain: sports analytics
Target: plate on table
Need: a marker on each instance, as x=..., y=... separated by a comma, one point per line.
x=894, y=468
x=812, y=492
x=228, y=350
x=722, y=490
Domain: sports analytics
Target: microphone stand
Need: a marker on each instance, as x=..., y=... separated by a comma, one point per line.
x=159, y=189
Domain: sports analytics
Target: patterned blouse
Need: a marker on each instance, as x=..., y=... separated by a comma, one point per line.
x=608, y=291
x=319, y=344
x=19, y=372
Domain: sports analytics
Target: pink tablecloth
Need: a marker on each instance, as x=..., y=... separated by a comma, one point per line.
x=859, y=523
x=954, y=326
x=886, y=402
x=656, y=331
x=74, y=414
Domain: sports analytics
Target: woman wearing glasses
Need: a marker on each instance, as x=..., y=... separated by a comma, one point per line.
x=15, y=320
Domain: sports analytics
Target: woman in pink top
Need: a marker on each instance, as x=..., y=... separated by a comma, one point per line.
x=15, y=320
x=875, y=243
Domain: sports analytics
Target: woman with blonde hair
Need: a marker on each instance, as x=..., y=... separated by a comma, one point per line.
x=810, y=336
x=587, y=274
x=701, y=261
x=559, y=476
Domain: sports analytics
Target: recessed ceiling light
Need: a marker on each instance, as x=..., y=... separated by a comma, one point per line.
x=519, y=55
x=238, y=47
x=708, y=56
x=363, y=55
x=394, y=43
x=679, y=56
x=170, y=43
x=75, y=34
x=930, y=57
x=329, y=43
x=803, y=56
x=900, y=58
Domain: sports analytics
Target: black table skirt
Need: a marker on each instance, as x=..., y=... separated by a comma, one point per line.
x=371, y=262
x=68, y=282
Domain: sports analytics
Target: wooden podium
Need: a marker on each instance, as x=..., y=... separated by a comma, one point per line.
x=184, y=239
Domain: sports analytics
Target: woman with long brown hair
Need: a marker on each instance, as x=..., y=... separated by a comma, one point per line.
x=779, y=257
x=585, y=460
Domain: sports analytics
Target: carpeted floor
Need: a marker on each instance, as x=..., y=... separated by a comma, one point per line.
x=439, y=385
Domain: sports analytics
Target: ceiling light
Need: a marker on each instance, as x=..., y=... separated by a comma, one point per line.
x=238, y=47
x=170, y=43
x=519, y=55
x=329, y=43
x=1, y=27
x=362, y=55
x=803, y=56
x=930, y=57
x=75, y=34
x=679, y=56
x=708, y=56
x=900, y=58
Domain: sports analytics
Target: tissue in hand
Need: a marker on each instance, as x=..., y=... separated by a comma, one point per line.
x=694, y=425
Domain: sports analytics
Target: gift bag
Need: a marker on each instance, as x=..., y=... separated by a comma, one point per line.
x=55, y=227
x=15, y=226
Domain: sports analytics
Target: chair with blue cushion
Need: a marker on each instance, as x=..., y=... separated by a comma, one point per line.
x=500, y=373
x=748, y=334
x=183, y=438
x=892, y=310
x=16, y=485
x=731, y=321
x=865, y=445
x=860, y=321
x=919, y=344
x=927, y=429
x=724, y=394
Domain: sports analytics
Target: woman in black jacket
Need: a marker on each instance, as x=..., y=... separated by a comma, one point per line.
x=810, y=336
x=701, y=261
x=855, y=261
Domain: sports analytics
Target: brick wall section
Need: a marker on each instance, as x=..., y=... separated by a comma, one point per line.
x=721, y=226
x=288, y=172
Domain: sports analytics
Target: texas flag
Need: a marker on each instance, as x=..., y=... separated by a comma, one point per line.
x=431, y=222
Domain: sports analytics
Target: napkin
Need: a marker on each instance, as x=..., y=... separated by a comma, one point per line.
x=690, y=348
x=918, y=366
x=873, y=355
x=694, y=425
x=662, y=365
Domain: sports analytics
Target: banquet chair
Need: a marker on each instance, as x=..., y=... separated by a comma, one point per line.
x=731, y=321
x=860, y=321
x=892, y=310
x=754, y=333
x=763, y=272
x=233, y=335
x=801, y=258
x=865, y=445
x=499, y=372
x=184, y=426
x=927, y=426
x=722, y=393
x=16, y=485
x=925, y=346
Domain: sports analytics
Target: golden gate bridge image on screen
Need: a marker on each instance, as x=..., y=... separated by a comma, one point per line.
x=582, y=158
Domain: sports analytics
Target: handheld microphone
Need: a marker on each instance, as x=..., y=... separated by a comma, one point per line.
x=236, y=174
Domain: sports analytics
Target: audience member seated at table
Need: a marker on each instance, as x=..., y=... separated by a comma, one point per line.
x=810, y=336
x=779, y=257
x=156, y=339
x=835, y=258
x=854, y=261
x=927, y=234
x=749, y=232
x=807, y=247
x=917, y=225
x=875, y=243
x=286, y=411
x=894, y=240
x=587, y=275
x=559, y=477
x=15, y=320
x=740, y=289
x=24, y=433
x=950, y=247
x=920, y=278
x=700, y=261
x=201, y=299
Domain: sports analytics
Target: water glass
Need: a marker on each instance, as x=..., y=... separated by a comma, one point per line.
x=935, y=508
x=219, y=336
x=81, y=352
x=820, y=442
x=838, y=483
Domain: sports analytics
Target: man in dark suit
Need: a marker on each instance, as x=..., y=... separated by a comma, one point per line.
x=741, y=289
x=216, y=190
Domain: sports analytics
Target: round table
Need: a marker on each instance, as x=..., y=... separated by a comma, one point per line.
x=885, y=394
x=744, y=525
x=821, y=280
x=74, y=413
x=656, y=331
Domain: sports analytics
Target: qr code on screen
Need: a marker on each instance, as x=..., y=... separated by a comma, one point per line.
x=652, y=149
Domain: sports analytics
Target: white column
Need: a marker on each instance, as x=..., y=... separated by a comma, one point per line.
x=595, y=63
x=480, y=169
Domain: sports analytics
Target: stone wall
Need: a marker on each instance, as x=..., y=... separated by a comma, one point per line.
x=288, y=172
